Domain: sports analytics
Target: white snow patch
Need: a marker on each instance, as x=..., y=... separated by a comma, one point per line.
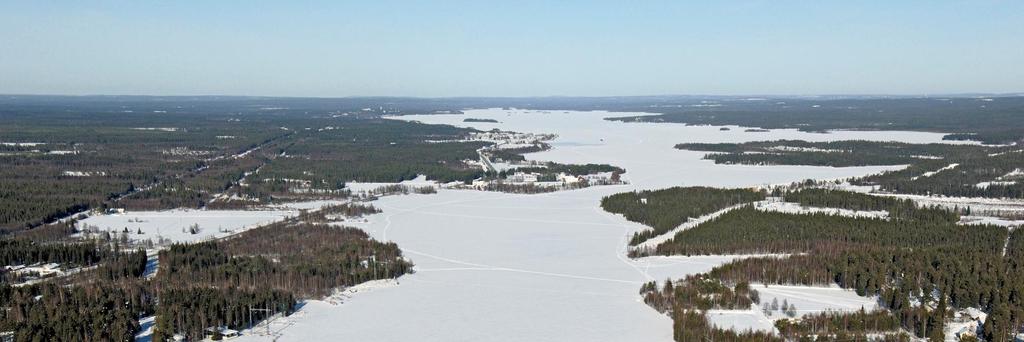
x=965, y=322
x=932, y=173
x=146, y=325
x=796, y=208
x=976, y=219
x=371, y=187
x=807, y=299
x=741, y=320
x=162, y=129
x=998, y=207
x=984, y=185
x=783, y=148
x=21, y=144
x=924, y=156
x=814, y=299
x=84, y=173
x=173, y=225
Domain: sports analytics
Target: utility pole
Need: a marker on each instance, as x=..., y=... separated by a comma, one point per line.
x=251, y=309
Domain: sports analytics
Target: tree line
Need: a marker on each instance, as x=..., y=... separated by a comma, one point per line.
x=664, y=210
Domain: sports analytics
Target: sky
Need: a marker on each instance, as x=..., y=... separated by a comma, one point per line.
x=510, y=48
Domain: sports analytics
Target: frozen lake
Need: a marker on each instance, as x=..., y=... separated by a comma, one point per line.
x=546, y=267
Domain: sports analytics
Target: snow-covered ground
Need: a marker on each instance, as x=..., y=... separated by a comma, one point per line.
x=545, y=267
x=174, y=224
x=932, y=173
x=796, y=208
x=807, y=299
x=1007, y=179
x=146, y=325
x=972, y=219
x=307, y=205
x=979, y=206
x=984, y=185
x=368, y=187
x=811, y=299
x=966, y=321
x=741, y=320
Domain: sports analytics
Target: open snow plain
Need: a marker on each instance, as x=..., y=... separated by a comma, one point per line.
x=546, y=267
x=173, y=225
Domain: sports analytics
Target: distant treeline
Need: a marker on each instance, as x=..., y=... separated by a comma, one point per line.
x=993, y=120
x=979, y=171
x=479, y=120
x=57, y=164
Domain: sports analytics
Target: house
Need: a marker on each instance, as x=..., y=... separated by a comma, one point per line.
x=969, y=330
x=42, y=270
x=14, y=268
x=569, y=179
x=520, y=177
x=224, y=331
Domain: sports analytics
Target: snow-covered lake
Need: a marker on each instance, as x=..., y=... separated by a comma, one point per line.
x=546, y=267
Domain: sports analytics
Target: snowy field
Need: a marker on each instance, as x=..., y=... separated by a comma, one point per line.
x=741, y=320
x=546, y=267
x=358, y=188
x=174, y=225
x=807, y=299
x=811, y=299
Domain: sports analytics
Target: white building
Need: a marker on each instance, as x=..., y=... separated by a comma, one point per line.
x=569, y=179
x=520, y=177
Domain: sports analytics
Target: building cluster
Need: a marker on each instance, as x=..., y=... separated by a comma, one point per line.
x=510, y=140
x=533, y=178
x=35, y=272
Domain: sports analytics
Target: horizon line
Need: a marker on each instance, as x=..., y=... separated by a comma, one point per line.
x=875, y=95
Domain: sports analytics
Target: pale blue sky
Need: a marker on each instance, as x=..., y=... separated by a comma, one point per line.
x=510, y=48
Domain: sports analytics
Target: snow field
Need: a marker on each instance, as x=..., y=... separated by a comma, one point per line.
x=545, y=267
x=174, y=224
x=807, y=299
